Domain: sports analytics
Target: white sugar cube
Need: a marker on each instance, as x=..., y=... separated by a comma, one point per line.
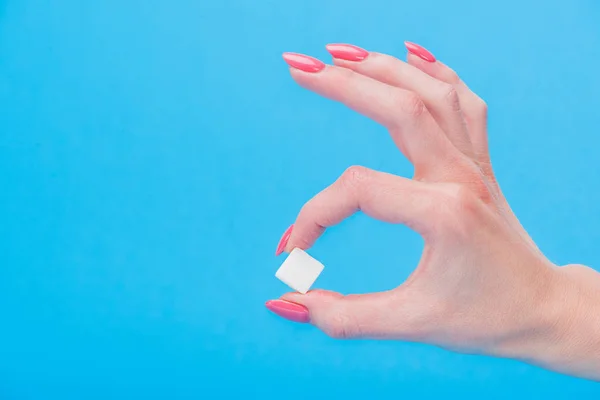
x=299, y=271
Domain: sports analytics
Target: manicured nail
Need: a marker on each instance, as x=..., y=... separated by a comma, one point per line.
x=284, y=239
x=292, y=311
x=303, y=63
x=419, y=51
x=347, y=52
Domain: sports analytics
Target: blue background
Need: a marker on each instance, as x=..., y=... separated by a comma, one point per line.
x=152, y=152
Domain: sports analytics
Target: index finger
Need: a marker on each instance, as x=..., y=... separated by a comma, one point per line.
x=382, y=196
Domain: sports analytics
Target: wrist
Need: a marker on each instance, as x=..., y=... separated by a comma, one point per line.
x=564, y=330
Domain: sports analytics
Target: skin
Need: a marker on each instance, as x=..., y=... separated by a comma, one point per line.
x=482, y=286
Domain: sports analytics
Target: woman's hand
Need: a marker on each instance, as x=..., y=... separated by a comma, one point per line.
x=482, y=285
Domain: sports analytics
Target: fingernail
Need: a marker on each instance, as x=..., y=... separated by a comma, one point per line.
x=284, y=239
x=303, y=63
x=419, y=51
x=292, y=311
x=347, y=52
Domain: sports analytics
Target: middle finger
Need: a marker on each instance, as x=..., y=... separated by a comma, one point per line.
x=408, y=120
x=439, y=97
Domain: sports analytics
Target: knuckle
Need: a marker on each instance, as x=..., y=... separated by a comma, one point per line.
x=355, y=176
x=450, y=97
x=342, y=326
x=410, y=103
x=414, y=106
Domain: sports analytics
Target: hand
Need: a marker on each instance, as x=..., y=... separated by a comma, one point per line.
x=482, y=285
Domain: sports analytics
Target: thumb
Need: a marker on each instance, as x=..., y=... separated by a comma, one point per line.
x=339, y=316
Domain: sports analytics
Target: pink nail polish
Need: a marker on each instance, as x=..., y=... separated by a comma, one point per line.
x=292, y=311
x=284, y=239
x=347, y=52
x=419, y=51
x=303, y=63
